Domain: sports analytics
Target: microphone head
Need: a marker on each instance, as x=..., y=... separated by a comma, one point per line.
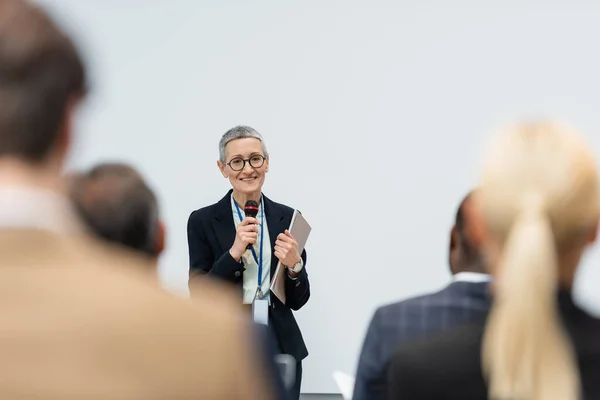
x=251, y=208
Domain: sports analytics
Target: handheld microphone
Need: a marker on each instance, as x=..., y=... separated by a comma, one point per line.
x=251, y=210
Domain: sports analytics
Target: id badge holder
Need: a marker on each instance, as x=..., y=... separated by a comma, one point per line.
x=260, y=310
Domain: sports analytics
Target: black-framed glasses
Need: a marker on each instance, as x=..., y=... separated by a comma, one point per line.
x=238, y=163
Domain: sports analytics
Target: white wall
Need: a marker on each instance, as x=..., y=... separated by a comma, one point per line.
x=373, y=111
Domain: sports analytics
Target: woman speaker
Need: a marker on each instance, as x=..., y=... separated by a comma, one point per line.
x=225, y=244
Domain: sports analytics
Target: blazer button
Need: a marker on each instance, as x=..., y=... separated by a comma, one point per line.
x=237, y=273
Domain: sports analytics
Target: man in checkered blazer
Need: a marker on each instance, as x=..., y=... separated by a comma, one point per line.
x=465, y=298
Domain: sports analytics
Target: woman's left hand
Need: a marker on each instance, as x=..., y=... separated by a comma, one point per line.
x=286, y=249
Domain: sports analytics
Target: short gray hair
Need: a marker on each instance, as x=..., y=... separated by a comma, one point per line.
x=239, y=132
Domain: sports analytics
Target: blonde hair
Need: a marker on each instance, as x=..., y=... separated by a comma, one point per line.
x=538, y=194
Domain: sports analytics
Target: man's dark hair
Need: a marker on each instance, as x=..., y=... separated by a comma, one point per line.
x=470, y=253
x=41, y=73
x=117, y=205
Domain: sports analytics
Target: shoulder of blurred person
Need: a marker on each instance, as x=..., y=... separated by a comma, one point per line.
x=206, y=289
x=131, y=337
x=466, y=298
x=441, y=366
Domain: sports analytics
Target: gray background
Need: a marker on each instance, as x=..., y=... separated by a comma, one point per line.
x=374, y=113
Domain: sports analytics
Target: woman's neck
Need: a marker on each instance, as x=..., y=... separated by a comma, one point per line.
x=242, y=198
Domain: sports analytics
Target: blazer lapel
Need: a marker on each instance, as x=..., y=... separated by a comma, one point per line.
x=223, y=222
x=276, y=225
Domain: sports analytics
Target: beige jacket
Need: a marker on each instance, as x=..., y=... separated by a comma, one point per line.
x=80, y=321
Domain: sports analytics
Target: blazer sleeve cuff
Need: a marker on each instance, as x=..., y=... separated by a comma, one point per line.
x=226, y=267
x=300, y=275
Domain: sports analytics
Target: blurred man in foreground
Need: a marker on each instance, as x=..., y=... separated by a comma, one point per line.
x=465, y=299
x=78, y=321
x=118, y=206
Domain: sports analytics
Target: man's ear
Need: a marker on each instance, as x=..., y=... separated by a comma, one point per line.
x=476, y=230
x=222, y=169
x=160, y=238
x=453, y=238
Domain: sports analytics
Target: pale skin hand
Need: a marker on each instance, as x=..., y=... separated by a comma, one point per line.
x=245, y=234
x=286, y=250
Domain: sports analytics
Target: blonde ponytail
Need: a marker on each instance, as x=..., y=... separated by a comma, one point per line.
x=526, y=355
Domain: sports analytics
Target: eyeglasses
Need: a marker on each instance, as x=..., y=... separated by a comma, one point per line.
x=238, y=164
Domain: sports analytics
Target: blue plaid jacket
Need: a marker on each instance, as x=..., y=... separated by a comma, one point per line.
x=458, y=303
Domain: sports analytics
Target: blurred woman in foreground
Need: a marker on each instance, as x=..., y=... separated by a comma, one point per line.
x=539, y=207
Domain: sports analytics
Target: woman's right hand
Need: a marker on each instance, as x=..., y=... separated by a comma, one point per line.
x=245, y=234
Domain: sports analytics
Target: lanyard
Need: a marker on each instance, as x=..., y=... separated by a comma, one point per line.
x=259, y=259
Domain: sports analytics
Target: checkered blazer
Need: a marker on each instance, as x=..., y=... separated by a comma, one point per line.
x=458, y=303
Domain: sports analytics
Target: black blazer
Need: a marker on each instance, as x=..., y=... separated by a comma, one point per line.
x=448, y=366
x=392, y=324
x=211, y=233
